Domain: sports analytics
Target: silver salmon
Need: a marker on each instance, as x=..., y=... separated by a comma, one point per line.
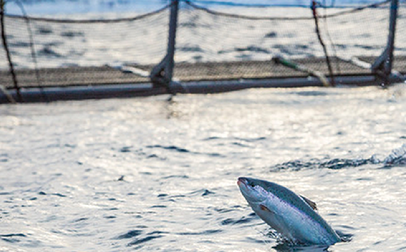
x=291, y=215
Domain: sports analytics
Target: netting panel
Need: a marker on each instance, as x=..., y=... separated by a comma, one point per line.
x=212, y=43
x=141, y=41
x=204, y=36
x=207, y=37
x=400, y=39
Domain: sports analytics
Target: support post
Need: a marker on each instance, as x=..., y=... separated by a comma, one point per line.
x=382, y=66
x=161, y=75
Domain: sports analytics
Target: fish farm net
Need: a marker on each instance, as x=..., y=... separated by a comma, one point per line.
x=214, y=40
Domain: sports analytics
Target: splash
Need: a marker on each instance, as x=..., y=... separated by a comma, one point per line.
x=395, y=158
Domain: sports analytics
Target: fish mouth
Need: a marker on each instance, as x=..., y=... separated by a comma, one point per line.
x=242, y=181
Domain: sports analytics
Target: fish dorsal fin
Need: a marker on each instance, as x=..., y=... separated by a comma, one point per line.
x=309, y=202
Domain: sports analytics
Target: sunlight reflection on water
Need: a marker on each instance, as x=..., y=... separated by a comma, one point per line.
x=150, y=174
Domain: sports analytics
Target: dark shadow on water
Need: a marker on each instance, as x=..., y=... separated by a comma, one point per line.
x=206, y=232
x=11, y=237
x=243, y=220
x=130, y=234
x=287, y=247
x=334, y=164
x=174, y=148
x=142, y=240
x=344, y=237
x=397, y=158
x=182, y=150
x=311, y=93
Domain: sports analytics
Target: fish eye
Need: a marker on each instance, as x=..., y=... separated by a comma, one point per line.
x=252, y=185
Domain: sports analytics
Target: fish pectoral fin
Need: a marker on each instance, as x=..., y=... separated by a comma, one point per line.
x=264, y=208
x=312, y=204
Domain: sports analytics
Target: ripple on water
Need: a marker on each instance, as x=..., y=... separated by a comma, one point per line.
x=178, y=190
x=143, y=240
x=334, y=164
x=130, y=234
x=11, y=238
x=206, y=232
x=172, y=147
x=242, y=220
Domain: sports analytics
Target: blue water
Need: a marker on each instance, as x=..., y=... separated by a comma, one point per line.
x=153, y=174
x=103, y=6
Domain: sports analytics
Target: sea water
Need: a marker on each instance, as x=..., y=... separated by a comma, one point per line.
x=49, y=7
x=160, y=173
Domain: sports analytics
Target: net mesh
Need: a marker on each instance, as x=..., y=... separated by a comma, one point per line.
x=208, y=37
x=289, y=32
x=91, y=42
x=400, y=39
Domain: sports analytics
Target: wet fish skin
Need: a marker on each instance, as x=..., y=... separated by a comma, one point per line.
x=291, y=215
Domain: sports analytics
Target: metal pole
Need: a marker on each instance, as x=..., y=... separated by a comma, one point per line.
x=391, y=36
x=173, y=23
x=161, y=74
x=383, y=64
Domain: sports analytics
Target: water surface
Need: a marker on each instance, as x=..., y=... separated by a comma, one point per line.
x=154, y=174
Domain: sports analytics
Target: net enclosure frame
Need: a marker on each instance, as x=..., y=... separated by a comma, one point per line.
x=182, y=69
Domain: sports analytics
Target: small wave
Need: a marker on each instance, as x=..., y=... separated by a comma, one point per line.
x=344, y=237
x=252, y=48
x=190, y=49
x=176, y=176
x=159, y=206
x=397, y=157
x=206, y=232
x=243, y=220
x=172, y=147
x=202, y=192
x=243, y=139
x=335, y=164
x=286, y=246
x=312, y=93
x=126, y=149
x=129, y=234
x=71, y=34
x=207, y=192
x=42, y=30
x=182, y=150
x=12, y=235
x=59, y=195
x=80, y=219
x=11, y=238
x=47, y=51
x=138, y=241
x=142, y=240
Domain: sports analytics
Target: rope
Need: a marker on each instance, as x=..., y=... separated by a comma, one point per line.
x=301, y=68
x=261, y=5
x=33, y=55
x=253, y=5
x=5, y=45
x=89, y=21
x=316, y=20
x=355, y=10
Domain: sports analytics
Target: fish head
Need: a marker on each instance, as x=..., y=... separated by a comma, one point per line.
x=253, y=190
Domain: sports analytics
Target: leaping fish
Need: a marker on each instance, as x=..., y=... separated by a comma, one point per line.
x=291, y=215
